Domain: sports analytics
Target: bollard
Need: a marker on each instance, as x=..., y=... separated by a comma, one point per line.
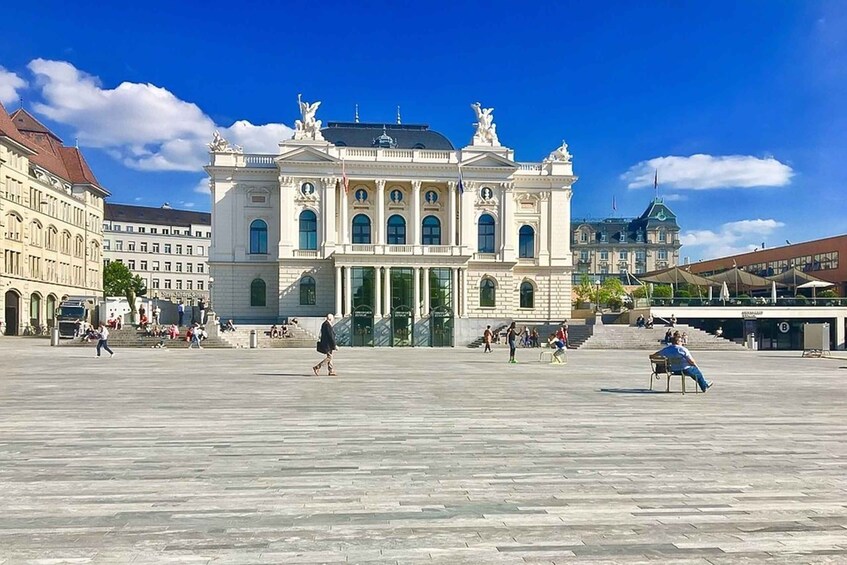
x=54, y=337
x=254, y=339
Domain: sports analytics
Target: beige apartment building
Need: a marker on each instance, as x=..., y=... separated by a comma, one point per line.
x=51, y=213
x=167, y=248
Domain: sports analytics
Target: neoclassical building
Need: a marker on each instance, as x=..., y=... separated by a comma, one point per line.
x=405, y=238
x=51, y=214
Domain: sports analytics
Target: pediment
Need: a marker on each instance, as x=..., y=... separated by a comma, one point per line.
x=490, y=160
x=308, y=155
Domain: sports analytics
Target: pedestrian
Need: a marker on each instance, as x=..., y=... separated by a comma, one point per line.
x=487, y=335
x=180, y=310
x=559, y=345
x=142, y=314
x=680, y=360
x=195, y=337
x=511, y=338
x=202, y=307
x=156, y=312
x=103, y=341
x=562, y=334
x=326, y=346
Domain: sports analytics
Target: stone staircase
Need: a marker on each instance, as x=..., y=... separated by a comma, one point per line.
x=240, y=338
x=131, y=337
x=477, y=343
x=630, y=337
x=578, y=332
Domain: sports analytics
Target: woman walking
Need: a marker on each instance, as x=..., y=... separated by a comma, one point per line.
x=326, y=346
x=511, y=337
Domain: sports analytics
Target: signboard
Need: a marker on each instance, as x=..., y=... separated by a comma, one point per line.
x=751, y=314
x=784, y=327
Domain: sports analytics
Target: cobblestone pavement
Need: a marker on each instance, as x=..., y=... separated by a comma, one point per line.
x=417, y=456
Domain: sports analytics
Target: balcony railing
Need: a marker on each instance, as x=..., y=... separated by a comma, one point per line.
x=754, y=302
x=380, y=249
x=306, y=253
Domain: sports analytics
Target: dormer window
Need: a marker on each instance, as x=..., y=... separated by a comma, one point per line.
x=622, y=237
x=583, y=237
x=603, y=237
x=639, y=236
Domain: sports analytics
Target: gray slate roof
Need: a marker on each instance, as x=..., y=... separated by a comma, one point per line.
x=405, y=136
x=158, y=216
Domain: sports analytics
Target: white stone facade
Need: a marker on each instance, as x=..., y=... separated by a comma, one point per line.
x=423, y=209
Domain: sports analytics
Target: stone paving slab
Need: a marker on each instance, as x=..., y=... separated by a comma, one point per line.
x=417, y=456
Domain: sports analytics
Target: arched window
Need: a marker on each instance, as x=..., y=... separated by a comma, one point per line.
x=258, y=293
x=259, y=238
x=396, y=230
x=34, y=309
x=66, y=242
x=79, y=247
x=526, y=242
x=308, y=230
x=487, y=293
x=14, y=230
x=51, y=309
x=361, y=229
x=485, y=234
x=307, y=291
x=431, y=232
x=527, y=295
x=35, y=234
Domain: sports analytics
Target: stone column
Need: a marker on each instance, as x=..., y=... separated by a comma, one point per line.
x=425, y=304
x=348, y=291
x=338, y=312
x=416, y=212
x=377, y=293
x=509, y=228
x=464, y=298
x=416, y=295
x=454, y=290
x=386, y=292
x=345, y=220
x=329, y=216
x=379, y=225
x=544, y=229
x=287, y=191
x=451, y=212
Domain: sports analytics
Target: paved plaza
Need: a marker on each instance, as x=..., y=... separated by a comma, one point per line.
x=417, y=456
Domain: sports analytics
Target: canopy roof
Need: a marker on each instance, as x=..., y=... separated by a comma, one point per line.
x=743, y=279
x=793, y=277
x=675, y=275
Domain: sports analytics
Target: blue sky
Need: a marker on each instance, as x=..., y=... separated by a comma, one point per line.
x=739, y=105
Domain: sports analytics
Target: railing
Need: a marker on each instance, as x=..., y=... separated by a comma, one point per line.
x=260, y=161
x=381, y=249
x=754, y=302
x=436, y=249
x=405, y=249
x=306, y=253
x=529, y=166
x=361, y=248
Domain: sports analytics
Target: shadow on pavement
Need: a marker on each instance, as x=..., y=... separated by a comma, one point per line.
x=632, y=391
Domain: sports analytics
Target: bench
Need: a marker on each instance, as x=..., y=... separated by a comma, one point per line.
x=660, y=366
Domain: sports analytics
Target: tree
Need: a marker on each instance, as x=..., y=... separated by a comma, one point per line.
x=118, y=280
x=584, y=291
x=611, y=293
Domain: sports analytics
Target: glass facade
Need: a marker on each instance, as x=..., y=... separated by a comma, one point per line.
x=440, y=288
x=362, y=281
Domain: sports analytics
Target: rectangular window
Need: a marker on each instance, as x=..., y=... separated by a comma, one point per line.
x=143, y=247
x=362, y=286
x=440, y=288
x=189, y=267
x=199, y=250
x=116, y=227
x=623, y=255
x=603, y=237
x=209, y=234
x=179, y=284
x=167, y=266
x=662, y=255
x=179, y=267
x=142, y=230
x=119, y=245
x=189, y=285
x=189, y=250
x=199, y=285
x=604, y=255
x=166, y=231
x=199, y=267
x=107, y=245
x=155, y=248
x=131, y=264
x=179, y=249
x=167, y=283
x=583, y=256
x=155, y=265
x=583, y=237
x=155, y=283
x=198, y=234
x=130, y=246
x=144, y=265
x=129, y=229
x=167, y=248
x=154, y=230
x=640, y=256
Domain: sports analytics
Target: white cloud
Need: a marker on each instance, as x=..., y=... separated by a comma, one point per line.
x=732, y=238
x=202, y=186
x=144, y=126
x=10, y=85
x=674, y=197
x=702, y=172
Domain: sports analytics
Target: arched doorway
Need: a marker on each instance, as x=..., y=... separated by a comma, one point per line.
x=51, y=310
x=402, y=326
x=363, y=326
x=12, y=313
x=441, y=327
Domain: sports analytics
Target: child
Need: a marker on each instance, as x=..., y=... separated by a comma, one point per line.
x=559, y=354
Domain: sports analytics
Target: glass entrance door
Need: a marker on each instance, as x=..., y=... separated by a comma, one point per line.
x=363, y=327
x=441, y=327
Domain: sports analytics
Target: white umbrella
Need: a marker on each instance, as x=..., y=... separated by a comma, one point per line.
x=710, y=294
x=815, y=285
x=773, y=292
x=724, y=292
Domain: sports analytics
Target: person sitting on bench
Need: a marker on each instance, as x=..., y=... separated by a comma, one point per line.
x=681, y=361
